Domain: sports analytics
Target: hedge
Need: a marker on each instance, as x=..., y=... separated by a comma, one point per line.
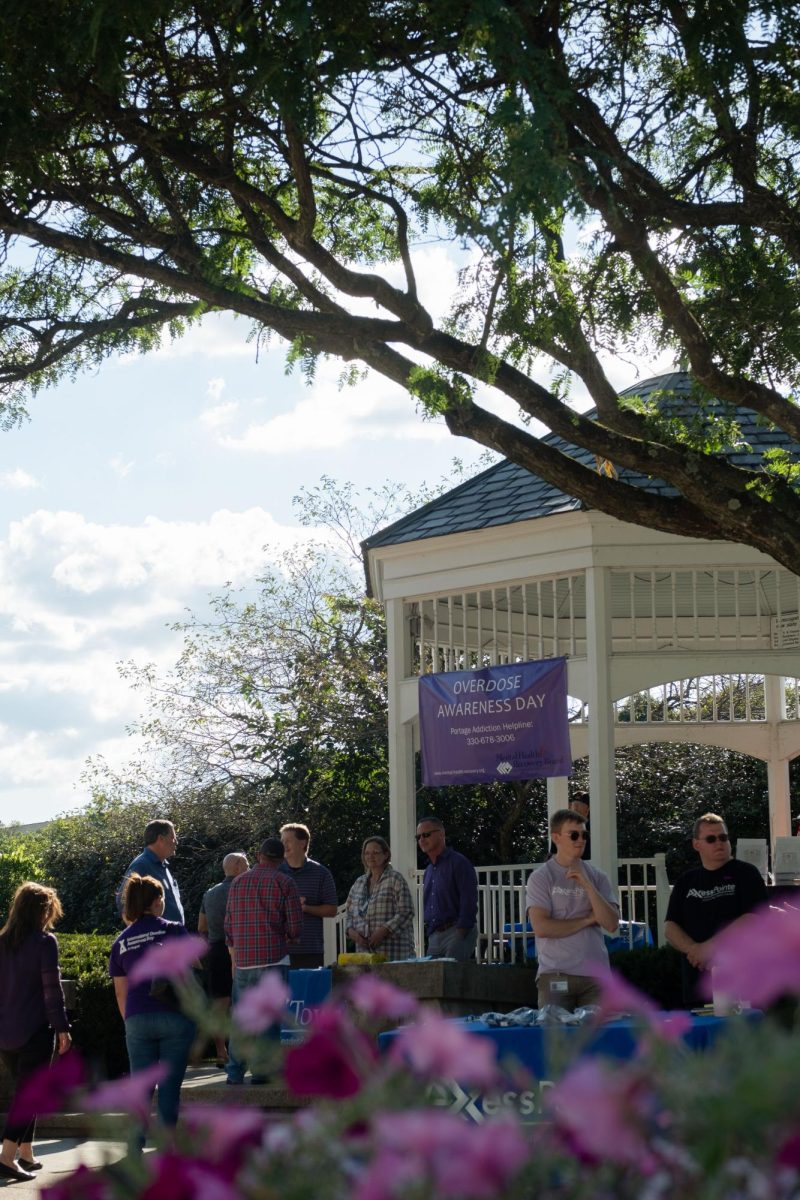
x=97, y=1028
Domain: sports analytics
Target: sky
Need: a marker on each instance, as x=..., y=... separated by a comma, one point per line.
x=136, y=492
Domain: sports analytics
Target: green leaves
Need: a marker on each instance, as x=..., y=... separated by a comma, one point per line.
x=611, y=182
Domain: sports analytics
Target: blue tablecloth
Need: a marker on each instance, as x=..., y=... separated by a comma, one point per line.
x=545, y=1050
x=308, y=989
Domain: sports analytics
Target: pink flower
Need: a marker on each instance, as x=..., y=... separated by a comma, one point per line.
x=48, y=1088
x=173, y=1177
x=438, y=1048
x=441, y=1150
x=619, y=996
x=262, y=1005
x=789, y=1153
x=83, y=1184
x=332, y=1061
x=380, y=1000
x=390, y=1175
x=758, y=958
x=599, y=1112
x=220, y=1134
x=132, y=1094
x=171, y=958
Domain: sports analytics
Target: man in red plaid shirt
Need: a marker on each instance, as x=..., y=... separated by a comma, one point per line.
x=263, y=914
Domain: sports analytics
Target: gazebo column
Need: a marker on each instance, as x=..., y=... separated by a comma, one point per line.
x=780, y=808
x=557, y=795
x=600, y=731
x=402, y=780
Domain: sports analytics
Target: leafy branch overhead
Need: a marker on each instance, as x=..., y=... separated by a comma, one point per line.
x=616, y=180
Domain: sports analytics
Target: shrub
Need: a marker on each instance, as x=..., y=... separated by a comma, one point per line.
x=654, y=970
x=97, y=1028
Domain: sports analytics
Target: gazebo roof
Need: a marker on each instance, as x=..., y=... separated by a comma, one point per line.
x=507, y=493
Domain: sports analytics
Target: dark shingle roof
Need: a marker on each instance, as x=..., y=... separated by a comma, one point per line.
x=507, y=493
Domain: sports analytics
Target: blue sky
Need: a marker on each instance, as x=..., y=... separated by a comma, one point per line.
x=136, y=491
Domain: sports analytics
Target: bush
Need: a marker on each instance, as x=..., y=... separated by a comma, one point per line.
x=654, y=970
x=97, y=1028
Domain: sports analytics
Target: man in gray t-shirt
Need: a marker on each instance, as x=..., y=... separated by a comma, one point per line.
x=211, y=922
x=570, y=903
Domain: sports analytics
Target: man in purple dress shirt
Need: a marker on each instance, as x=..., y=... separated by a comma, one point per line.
x=450, y=895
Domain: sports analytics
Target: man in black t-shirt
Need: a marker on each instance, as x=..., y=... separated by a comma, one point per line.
x=708, y=898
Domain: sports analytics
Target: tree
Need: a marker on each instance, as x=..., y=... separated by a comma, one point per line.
x=20, y=860
x=618, y=178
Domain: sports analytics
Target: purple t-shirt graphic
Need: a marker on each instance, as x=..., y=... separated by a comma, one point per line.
x=128, y=948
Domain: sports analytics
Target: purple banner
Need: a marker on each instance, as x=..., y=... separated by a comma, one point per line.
x=497, y=723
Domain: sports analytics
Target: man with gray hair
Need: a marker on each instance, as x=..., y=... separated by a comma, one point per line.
x=211, y=922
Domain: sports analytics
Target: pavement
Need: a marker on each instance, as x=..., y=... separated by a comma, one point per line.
x=63, y=1142
x=61, y=1156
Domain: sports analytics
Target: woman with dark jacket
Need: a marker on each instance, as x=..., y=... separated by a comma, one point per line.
x=33, y=1017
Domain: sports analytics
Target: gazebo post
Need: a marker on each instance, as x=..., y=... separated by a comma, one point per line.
x=402, y=781
x=557, y=795
x=600, y=730
x=780, y=811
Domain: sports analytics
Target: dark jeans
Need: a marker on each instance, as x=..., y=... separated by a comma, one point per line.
x=161, y=1037
x=21, y=1064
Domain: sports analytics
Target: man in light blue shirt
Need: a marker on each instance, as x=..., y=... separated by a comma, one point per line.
x=160, y=843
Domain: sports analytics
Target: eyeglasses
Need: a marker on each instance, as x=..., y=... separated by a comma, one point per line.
x=574, y=834
x=429, y=833
x=714, y=837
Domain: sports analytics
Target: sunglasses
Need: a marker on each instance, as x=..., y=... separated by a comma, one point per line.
x=574, y=834
x=714, y=837
x=430, y=833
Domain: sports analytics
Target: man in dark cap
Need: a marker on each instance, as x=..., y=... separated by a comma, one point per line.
x=263, y=914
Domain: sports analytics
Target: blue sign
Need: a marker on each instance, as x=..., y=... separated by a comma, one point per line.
x=497, y=723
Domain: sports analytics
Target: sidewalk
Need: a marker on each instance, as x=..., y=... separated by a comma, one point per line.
x=63, y=1144
x=62, y=1156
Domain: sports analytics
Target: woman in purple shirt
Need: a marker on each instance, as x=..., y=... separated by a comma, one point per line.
x=32, y=1011
x=155, y=1028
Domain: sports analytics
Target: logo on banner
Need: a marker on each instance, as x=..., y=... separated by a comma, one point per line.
x=509, y=721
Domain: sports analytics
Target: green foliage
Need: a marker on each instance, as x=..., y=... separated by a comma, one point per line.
x=663, y=787
x=20, y=860
x=97, y=1028
x=654, y=970
x=613, y=180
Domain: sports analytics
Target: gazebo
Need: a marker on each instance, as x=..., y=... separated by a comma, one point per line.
x=507, y=568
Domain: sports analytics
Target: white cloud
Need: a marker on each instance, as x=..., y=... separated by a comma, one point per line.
x=18, y=481
x=330, y=416
x=120, y=467
x=215, y=388
x=72, y=578
x=220, y=415
x=76, y=598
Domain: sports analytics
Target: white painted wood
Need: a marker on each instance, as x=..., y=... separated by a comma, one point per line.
x=780, y=806
x=671, y=609
x=402, y=792
x=602, y=777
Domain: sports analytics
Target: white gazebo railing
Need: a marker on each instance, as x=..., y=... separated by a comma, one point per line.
x=502, y=917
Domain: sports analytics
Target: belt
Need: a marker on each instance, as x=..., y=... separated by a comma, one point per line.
x=442, y=928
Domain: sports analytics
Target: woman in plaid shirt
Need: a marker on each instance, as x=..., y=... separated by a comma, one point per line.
x=380, y=911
